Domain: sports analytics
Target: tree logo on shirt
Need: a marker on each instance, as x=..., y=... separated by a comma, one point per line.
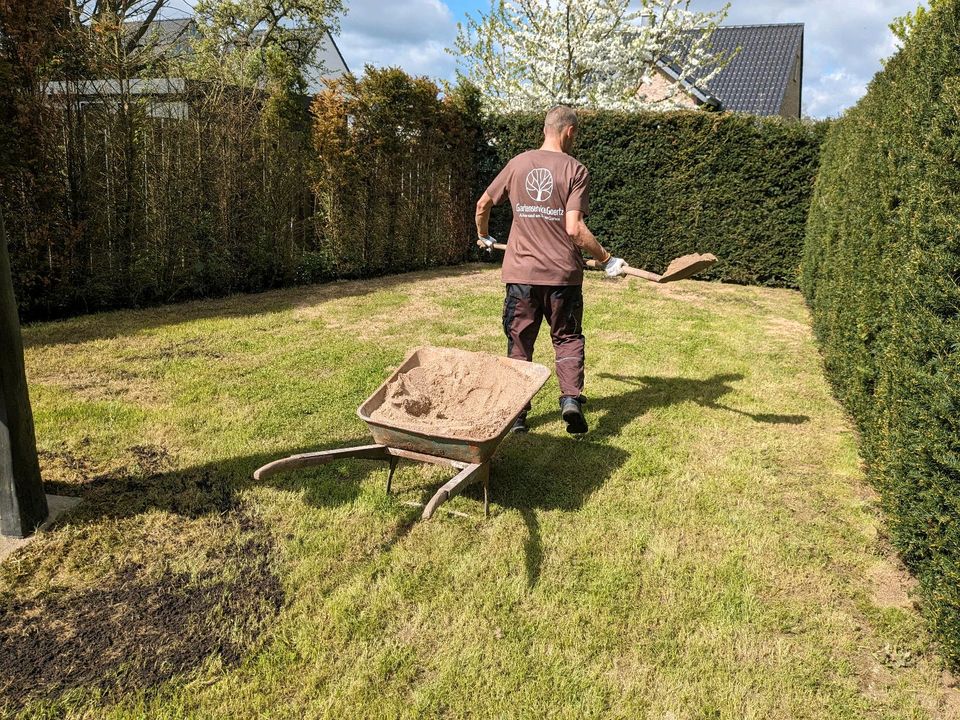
x=539, y=184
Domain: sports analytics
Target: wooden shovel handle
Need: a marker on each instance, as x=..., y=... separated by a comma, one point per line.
x=496, y=246
x=594, y=265
x=627, y=270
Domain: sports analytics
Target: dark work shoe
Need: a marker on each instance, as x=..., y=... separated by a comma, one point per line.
x=520, y=424
x=572, y=413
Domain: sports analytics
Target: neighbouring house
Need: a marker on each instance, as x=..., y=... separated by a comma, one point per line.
x=764, y=76
x=167, y=95
x=176, y=34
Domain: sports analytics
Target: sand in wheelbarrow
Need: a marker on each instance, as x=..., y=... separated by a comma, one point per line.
x=453, y=396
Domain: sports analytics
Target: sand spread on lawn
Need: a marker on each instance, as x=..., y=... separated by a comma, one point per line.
x=455, y=394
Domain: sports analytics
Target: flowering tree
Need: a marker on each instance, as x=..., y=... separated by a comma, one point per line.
x=529, y=54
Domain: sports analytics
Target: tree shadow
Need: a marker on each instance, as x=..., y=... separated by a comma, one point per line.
x=214, y=488
x=116, y=323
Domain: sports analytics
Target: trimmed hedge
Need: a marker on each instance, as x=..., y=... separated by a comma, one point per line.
x=109, y=206
x=881, y=269
x=666, y=184
x=394, y=175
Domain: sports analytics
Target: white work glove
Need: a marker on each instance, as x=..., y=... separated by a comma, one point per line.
x=486, y=242
x=614, y=267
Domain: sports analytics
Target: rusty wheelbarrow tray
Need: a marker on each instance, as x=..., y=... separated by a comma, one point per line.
x=469, y=456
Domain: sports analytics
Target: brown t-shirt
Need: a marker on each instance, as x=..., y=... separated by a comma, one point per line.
x=542, y=187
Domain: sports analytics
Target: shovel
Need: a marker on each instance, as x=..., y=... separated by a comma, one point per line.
x=678, y=269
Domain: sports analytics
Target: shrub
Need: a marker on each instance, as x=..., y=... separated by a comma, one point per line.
x=396, y=177
x=880, y=271
x=666, y=184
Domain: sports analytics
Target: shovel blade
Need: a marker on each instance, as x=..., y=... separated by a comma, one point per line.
x=687, y=266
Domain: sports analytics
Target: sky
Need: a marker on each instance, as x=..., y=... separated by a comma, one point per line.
x=844, y=40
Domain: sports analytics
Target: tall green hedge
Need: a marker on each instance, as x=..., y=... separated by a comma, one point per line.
x=110, y=205
x=664, y=185
x=881, y=269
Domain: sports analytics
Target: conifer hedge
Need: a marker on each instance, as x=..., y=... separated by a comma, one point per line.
x=112, y=205
x=666, y=184
x=881, y=269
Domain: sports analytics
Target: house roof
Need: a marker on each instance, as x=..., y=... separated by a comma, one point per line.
x=175, y=32
x=172, y=33
x=170, y=30
x=757, y=78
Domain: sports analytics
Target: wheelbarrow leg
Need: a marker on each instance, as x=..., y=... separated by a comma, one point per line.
x=394, y=461
x=470, y=474
x=486, y=494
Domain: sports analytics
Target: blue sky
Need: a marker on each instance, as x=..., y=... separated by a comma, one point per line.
x=844, y=40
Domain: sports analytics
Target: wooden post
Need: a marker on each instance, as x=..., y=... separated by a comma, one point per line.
x=23, y=506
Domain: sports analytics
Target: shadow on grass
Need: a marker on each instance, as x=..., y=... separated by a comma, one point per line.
x=543, y=472
x=107, y=325
x=661, y=392
x=136, y=624
x=212, y=488
x=531, y=474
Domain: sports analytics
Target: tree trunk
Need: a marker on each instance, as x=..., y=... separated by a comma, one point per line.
x=23, y=506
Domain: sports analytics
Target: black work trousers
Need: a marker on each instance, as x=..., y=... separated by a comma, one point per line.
x=562, y=305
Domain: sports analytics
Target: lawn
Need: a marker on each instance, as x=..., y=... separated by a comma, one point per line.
x=708, y=550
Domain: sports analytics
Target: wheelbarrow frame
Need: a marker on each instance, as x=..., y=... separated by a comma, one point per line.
x=470, y=457
x=467, y=473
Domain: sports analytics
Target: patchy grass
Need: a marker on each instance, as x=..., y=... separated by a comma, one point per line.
x=709, y=550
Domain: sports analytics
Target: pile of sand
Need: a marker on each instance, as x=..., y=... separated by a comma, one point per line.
x=454, y=394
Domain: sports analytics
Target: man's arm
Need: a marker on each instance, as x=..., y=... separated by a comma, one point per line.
x=483, y=215
x=581, y=236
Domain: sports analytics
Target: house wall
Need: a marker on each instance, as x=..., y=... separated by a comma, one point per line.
x=791, y=98
x=659, y=89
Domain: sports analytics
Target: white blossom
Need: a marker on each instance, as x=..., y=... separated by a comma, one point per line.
x=600, y=54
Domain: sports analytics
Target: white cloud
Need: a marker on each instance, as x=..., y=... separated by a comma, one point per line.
x=411, y=34
x=830, y=92
x=844, y=42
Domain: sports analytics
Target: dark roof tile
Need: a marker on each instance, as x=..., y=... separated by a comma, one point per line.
x=756, y=79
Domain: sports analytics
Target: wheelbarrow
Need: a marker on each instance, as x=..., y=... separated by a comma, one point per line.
x=396, y=441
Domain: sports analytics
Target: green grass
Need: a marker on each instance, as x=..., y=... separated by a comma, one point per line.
x=709, y=550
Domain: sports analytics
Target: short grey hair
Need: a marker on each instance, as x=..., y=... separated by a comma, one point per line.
x=560, y=117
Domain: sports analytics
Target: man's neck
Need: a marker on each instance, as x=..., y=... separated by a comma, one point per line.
x=552, y=145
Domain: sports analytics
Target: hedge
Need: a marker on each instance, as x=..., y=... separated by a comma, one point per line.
x=881, y=268
x=666, y=184
x=395, y=173
x=109, y=205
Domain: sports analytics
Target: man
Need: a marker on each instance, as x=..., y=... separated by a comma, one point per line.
x=543, y=267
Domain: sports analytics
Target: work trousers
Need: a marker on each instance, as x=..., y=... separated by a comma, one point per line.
x=526, y=306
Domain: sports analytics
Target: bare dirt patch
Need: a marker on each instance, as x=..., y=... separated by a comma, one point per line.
x=186, y=349
x=68, y=471
x=103, y=385
x=132, y=630
x=891, y=585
